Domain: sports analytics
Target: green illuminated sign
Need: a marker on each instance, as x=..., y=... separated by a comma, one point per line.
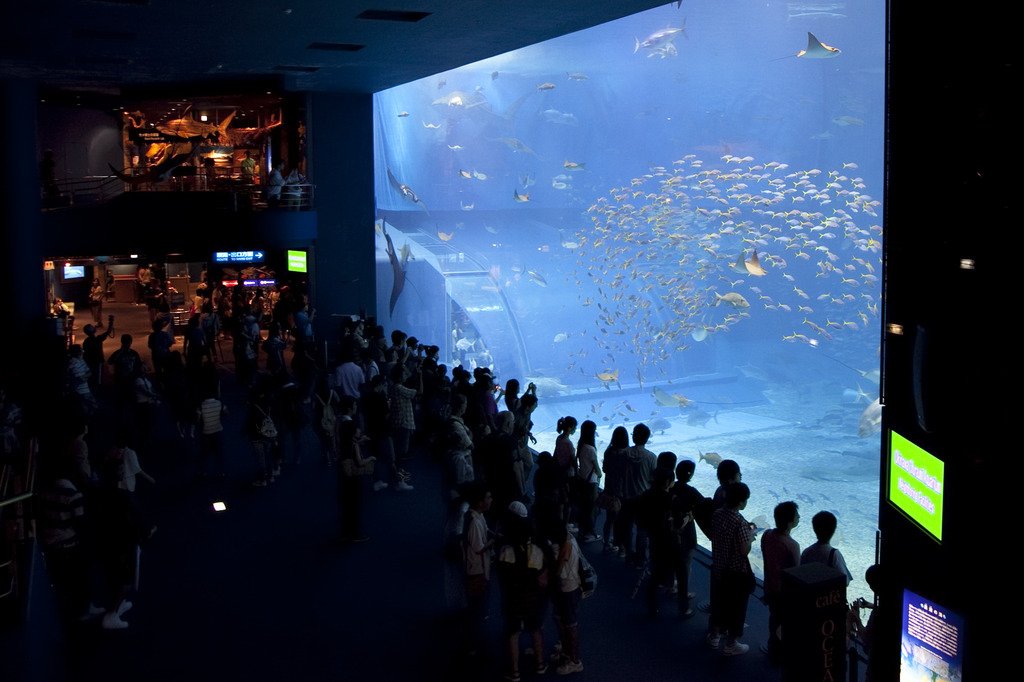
x=916, y=483
x=296, y=261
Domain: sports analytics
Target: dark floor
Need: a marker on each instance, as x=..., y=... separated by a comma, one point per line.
x=265, y=591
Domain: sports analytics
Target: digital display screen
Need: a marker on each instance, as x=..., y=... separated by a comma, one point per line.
x=916, y=481
x=74, y=271
x=238, y=257
x=932, y=641
x=296, y=261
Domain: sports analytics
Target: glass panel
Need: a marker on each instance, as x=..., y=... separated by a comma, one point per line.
x=673, y=218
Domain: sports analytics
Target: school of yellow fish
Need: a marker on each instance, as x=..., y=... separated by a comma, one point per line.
x=678, y=255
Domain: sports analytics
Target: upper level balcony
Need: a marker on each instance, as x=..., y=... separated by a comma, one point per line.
x=188, y=211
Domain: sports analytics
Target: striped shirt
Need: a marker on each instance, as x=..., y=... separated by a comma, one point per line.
x=209, y=413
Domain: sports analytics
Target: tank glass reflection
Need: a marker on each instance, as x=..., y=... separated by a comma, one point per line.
x=672, y=218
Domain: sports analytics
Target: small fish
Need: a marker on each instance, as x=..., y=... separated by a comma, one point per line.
x=843, y=121
x=456, y=147
x=433, y=126
x=732, y=299
x=559, y=338
x=445, y=237
x=578, y=76
x=567, y=243
x=403, y=114
x=404, y=254
x=479, y=176
x=546, y=86
x=465, y=174
x=520, y=198
x=572, y=166
x=608, y=377
x=712, y=458
x=537, y=277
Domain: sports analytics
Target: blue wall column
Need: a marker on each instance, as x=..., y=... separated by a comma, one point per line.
x=340, y=155
x=21, y=251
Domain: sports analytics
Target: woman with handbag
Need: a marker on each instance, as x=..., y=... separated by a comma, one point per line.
x=353, y=467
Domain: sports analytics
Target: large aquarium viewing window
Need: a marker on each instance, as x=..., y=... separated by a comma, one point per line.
x=672, y=218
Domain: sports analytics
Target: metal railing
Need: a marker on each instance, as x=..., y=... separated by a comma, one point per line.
x=100, y=189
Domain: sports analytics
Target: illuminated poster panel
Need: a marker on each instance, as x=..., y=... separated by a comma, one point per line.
x=296, y=261
x=932, y=641
x=916, y=480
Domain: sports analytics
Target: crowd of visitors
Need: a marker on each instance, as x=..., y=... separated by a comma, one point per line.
x=528, y=515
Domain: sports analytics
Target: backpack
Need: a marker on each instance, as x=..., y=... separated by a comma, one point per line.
x=702, y=513
x=328, y=419
x=267, y=427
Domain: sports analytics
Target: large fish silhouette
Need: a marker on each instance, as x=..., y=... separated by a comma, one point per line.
x=189, y=127
x=396, y=269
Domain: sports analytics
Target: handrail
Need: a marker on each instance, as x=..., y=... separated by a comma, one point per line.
x=102, y=187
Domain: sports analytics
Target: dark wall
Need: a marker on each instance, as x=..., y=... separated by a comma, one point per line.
x=948, y=201
x=84, y=141
x=340, y=156
x=21, y=275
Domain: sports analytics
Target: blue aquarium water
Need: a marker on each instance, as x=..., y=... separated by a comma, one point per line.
x=672, y=218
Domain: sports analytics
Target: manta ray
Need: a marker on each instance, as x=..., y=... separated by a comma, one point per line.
x=751, y=267
x=407, y=194
x=817, y=49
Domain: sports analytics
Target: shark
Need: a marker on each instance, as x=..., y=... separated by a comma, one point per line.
x=396, y=269
x=661, y=39
x=189, y=127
